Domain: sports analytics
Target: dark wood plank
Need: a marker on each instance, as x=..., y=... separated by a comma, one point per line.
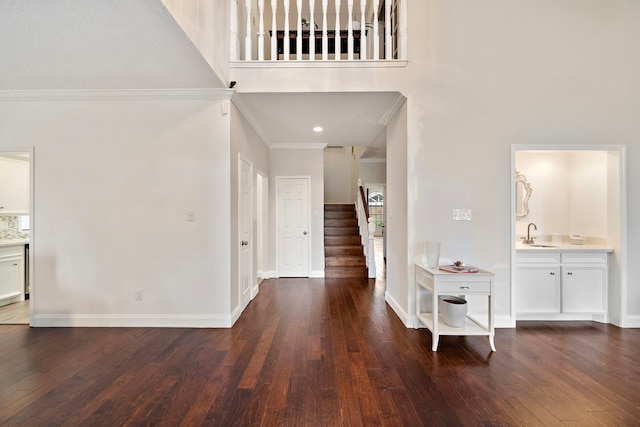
x=325, y=352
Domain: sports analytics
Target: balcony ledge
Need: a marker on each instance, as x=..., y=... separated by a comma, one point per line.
x=393, y=63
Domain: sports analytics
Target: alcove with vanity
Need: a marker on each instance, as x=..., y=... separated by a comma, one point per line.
x=567, y=228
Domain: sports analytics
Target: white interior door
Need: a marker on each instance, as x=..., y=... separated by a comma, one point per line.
x=245, y=232
x=293, y=226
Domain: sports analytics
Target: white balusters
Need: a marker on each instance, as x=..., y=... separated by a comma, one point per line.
x=286, y=30
x=403, y=30
x=274, y=30
x=363, y=29
x=233, y=31
x=325, y=38
x=371, y=256
x=299, y=31
x=337, y=30
x=350, y=30
x=312, y=31
x=383, y=42
x=261, y=31
x=247, y=37
x=387, y=31
x=376, y=33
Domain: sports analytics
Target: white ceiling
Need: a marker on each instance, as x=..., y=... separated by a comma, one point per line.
x=348, y=119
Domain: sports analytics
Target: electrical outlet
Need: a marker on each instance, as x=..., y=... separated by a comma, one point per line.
x=462, y=214
x=138, y=295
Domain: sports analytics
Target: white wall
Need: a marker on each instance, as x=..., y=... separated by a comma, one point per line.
x=206, y=23
x=373, y=171
x=339, y=169
x=397, y=220
x=113, y=180
x=119, y=44
x=299, y=162
x=569, y=192
x=244, y=142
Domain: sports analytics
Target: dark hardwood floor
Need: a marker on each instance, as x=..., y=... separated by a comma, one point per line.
x=319, y=353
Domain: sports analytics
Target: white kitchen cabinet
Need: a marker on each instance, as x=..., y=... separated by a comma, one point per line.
x=11, y=274
x=559, y=285
x=14, y=187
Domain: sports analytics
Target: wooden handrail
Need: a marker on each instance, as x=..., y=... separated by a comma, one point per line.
x=364, y=202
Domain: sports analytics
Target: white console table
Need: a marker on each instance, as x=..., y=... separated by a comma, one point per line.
x=437, y=282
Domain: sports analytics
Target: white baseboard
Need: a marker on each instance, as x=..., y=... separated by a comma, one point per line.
x=316, y=274
x=407, y=320
x=273, y=274
x=131, y=320
x=631, y=322
x=504, y=321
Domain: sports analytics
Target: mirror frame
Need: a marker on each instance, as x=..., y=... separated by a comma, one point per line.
x=524, y=203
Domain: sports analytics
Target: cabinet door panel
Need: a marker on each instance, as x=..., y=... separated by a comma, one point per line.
x=584, y=289
x=11, y=276
x=538, y=290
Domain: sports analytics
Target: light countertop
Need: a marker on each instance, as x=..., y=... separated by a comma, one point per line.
x=14, y=242
x=564, y=247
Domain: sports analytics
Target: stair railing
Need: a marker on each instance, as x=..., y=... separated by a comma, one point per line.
x=367, y=230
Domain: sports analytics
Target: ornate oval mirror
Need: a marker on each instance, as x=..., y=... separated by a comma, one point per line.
x=523, y=193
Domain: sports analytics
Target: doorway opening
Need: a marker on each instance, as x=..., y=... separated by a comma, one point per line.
x=16, y=292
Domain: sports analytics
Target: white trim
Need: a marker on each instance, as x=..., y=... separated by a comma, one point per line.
x=503, y=321
x=623, y=252
x=298, y=146
x=372, y=160
x=131, y=320
x=393, y=63
x=395, y=105
x=273, y=274
x=115, y=95
x=316, y=274
x=408, y=321
x=632, y=321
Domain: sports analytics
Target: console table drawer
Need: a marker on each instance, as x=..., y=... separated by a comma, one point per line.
x=462, y=287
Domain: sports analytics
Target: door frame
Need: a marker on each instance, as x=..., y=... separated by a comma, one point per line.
x=277, y=218
x=622, y=248
x=241, y=301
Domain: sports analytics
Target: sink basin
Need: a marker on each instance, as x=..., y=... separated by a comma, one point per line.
x=541, y=246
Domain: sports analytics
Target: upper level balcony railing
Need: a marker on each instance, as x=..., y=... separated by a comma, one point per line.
x=318, y=30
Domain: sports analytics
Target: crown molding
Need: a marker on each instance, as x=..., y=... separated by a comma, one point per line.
x=298, y=146
x=115, y=95
x=393, y=109
x=237, y=100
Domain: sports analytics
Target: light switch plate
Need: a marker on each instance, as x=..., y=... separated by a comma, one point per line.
x=462, y=215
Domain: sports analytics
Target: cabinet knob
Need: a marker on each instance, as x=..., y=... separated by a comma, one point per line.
x=570, y=273
x=552, y=273
x=464, y=287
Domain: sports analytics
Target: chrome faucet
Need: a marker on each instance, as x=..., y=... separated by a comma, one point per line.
x=529, y=239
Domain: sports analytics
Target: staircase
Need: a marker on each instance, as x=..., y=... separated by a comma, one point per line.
x=343, y=254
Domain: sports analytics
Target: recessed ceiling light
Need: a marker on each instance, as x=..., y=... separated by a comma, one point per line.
x=317, y=129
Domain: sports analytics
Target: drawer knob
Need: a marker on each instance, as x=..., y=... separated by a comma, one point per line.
x=464, y=287
x=552, y=273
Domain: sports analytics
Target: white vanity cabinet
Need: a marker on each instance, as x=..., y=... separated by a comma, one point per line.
x=561, y=285
x=11, y=274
